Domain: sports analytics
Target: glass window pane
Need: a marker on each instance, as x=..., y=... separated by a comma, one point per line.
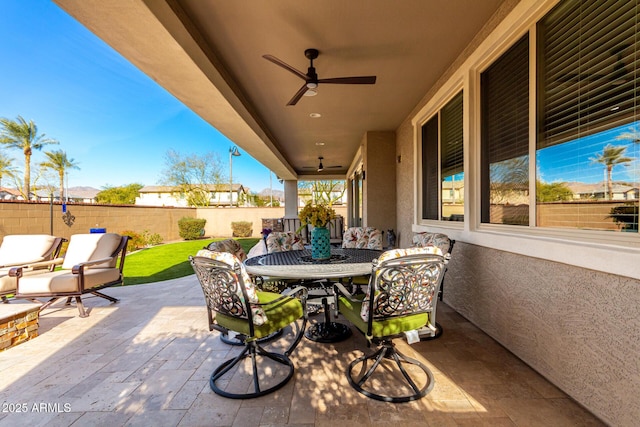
x=452, y=160
x=505, y=138
x=430, y=169
x=588, y=147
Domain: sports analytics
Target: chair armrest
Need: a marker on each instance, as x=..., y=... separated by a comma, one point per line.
x=17, y=270
x=50, y=263
x=304, y=293
x=297, y=290
x=78, y=268
x=340, y=287
x=36, y=264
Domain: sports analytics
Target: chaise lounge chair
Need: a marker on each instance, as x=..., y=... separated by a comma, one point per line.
x=26, y=251
x=92, y=262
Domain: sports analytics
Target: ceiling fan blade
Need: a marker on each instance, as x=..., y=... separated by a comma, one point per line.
x=298, y=95
x=286, y=66
x=362, y=80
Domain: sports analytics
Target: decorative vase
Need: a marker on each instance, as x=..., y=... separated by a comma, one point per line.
x=320, y=243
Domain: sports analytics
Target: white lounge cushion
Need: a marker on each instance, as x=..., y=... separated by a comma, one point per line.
x=20, y=249
x=8, y=283
x=66, y=281
x=89, y=247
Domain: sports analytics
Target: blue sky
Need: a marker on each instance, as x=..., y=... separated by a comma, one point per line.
x=113, y=120
x=558, y=162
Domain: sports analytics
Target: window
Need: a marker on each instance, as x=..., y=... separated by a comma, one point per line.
x=586, y=153
x=587, y=149
x=504, y=89
x=442, y=163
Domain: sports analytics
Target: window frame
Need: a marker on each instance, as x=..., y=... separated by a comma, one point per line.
x=419, y=122
x=615, y=253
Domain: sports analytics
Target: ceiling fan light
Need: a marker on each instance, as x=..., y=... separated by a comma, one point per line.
x=310, y=92
x=312, y=85
x=320, y=167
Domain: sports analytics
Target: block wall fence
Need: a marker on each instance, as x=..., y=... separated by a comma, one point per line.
x=37, y=218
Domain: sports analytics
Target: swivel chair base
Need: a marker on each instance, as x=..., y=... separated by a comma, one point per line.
x=252, y=349
x=388, y=351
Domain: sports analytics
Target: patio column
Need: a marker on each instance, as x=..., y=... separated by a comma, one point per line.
x=290, y=199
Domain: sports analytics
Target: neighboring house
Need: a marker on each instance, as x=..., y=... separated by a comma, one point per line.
x=163, y=195
x=73, y=195
x=582, y=191
x=452, y=191
x=10, y=194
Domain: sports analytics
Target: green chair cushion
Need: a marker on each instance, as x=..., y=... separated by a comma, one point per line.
x=279, y=315
x=351, y=311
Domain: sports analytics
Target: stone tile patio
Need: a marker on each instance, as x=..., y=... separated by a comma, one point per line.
x=147, y=361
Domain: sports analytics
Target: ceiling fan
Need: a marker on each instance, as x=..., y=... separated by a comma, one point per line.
x=311, y=78
x=321, y=167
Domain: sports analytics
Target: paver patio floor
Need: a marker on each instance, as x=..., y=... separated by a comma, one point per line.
x=147, y=360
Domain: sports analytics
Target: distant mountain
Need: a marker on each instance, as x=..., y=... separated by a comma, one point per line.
x=277, y=194
x=83, y=192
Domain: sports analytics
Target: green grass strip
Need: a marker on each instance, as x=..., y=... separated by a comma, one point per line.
x=168, y=261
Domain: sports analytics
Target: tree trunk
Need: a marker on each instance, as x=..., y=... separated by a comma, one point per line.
x=27, y=176
x=61, y=174
x=609, y=182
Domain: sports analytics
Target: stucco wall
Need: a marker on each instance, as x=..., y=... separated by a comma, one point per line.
x=219, y=219
x=35, y=218
x=579, y=328
x=379, y=185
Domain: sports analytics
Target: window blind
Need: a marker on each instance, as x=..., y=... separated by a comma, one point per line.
x=505, y=105
x=588, y=68
x=430, y=181
x=451, y=134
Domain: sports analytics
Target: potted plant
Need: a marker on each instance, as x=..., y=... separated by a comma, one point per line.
x=318, y=216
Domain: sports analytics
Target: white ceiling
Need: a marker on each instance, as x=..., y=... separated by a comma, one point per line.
x=208, y=53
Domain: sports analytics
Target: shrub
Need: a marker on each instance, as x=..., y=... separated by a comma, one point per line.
x=242, y=228
x=136, y=240
x=151, y=239
x=191, y=228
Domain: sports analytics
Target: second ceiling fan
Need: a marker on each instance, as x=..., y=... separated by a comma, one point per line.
x=321, y=167
x=311, y=77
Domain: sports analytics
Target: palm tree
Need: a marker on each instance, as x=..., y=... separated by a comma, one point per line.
x=632, y=135
x=611, y=156
x=59, y=162
x=6, y=168
x=23, y=135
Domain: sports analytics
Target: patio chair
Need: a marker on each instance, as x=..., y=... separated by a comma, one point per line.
x=294, y=225
x=229, y=245
x=362, y=238
x=400, y=299
x=233, y=247
x=92, y=262
x=280, y=241
x=238, y=306
x=26, y=251
x=442, y=241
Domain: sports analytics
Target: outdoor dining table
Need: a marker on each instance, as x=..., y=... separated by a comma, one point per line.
x=343, y=263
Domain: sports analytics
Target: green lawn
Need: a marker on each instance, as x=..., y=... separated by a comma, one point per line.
x=168, y=261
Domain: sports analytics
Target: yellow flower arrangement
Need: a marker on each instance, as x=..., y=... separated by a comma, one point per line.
x=318, y=215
